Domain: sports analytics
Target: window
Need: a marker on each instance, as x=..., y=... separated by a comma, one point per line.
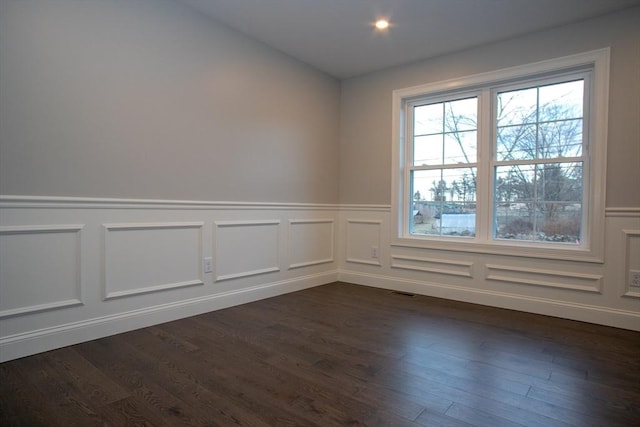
x=443, y=166
x=504, y=159
x=538, y=162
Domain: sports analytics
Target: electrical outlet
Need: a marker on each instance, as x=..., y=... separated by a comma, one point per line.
x=374, y=252
x=208, y=264
x=634, y=279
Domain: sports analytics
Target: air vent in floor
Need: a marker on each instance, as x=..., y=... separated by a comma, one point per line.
x=405, y=294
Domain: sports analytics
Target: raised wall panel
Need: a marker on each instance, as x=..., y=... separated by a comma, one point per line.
x=632, y=260
x=246, y=248
x=310, y=242
x=362, y=236
x=40, y=268
x=150, y=257
x=432, y=265
x=545, y=278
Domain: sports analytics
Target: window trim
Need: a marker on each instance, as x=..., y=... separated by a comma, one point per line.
x=598, y=62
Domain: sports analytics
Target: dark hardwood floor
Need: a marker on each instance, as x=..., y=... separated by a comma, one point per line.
x=338, y=354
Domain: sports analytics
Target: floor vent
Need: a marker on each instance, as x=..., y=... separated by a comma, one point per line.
x=406, y=294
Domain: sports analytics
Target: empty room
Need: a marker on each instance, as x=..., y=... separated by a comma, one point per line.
x=320, y=212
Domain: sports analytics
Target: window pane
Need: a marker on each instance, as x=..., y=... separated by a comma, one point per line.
x=559, y=182
x=514, y=184
x=516, y=143
x=444, y=202
x=461, y=115
x=559, y=222
x=424, y=182
x=428, y=119
x=460, y=147
x=562, y=101
x=560, y=139
x=517, y=107
x=427, y=150
x=445, y=185
x=538, y=202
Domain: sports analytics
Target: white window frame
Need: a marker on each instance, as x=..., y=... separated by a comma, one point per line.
x=592, y=249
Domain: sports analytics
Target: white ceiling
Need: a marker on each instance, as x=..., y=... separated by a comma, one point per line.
x=337, y=36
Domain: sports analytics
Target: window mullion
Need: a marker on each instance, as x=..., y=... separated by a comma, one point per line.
x=408, y=170
x=484, y=188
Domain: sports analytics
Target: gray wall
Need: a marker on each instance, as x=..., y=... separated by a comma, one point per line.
x=365, y=152
x=150, y=99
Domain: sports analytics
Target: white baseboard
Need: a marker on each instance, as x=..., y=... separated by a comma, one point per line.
x=567, y=310
x=32, y=342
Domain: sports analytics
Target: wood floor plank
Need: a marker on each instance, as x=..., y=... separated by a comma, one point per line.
x=21, y=403
x=72, y=409
x=391, y=401
x=333, y=355
x=497, y=403
x=478, y=417
x=236, y=363
x=436, y=419
x=604, y=411
x=171, y=372
x=86, y=381
x=461, y=377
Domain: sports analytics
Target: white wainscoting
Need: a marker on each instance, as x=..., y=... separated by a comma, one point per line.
x=246, y=248
x=586, y=291
x=53, y=278
x=311, y=242
x=76, y=269
x=433, y=265
x=361, y=237
x=142, y=258
x=631, y=247
x=544, y=277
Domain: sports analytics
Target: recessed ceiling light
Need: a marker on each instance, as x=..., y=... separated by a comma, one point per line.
x=382, y=24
